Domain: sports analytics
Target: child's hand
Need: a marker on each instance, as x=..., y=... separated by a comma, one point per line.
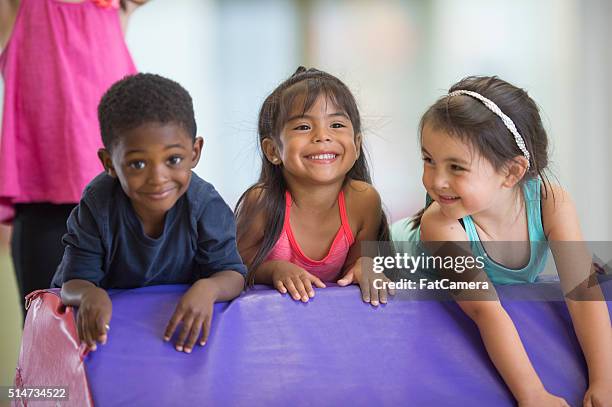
x=194, y=311
x=295, y=280
x=93, y=318
x=598, y=395
x=362, y=273
x=543, y=399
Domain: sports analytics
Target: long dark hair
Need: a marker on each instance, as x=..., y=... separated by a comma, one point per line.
x=305, y=86
x=472, y=122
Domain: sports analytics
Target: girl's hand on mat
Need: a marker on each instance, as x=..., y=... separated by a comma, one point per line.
x=373, y=285
x=94, y=317
x=598, y=395
x=543, y=399
x=296, y=281
x=194, y=311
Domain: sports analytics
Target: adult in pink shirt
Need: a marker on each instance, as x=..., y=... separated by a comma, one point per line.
x=58, y=58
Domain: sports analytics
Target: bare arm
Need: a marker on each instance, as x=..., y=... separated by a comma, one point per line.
x=126, y=10
x=587, y=307
x=364, y=209
x=364, y=205
x=505, y=348
x=497, y=330
x=73, y=291
x=250, y=234
x=8, y=13
x=95, y=310
x=266, y=271
x=224, y=285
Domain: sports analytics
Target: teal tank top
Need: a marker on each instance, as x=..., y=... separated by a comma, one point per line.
x=401, y=232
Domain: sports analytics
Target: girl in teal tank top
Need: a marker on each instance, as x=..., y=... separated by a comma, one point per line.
x=484, y=154
x=402, y=231
x=498, y=274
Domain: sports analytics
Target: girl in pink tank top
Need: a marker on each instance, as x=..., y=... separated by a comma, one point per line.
x=301, y=224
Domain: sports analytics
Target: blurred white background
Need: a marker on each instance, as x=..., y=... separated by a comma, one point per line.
x=397, y=57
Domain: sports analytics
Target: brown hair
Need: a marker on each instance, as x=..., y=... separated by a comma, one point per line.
x=304, y=86
x=468, y=119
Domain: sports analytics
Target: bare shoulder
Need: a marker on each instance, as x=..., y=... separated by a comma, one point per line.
x=435, y=226
x=254, y=194
x=364, y=209
x=559, y=215
x=361, y=194
x=250, y=223
x=250, y=205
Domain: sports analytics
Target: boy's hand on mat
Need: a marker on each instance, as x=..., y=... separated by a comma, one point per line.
x=370, y=283
x=94, y=317
x=296, y=281
x=598, y=395
x=194, y=311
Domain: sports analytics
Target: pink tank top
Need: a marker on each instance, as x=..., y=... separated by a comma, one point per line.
x=60, y=59
x=328, y=268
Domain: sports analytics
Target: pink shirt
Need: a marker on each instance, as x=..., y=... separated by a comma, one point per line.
x=328, y=268
x=60, y=59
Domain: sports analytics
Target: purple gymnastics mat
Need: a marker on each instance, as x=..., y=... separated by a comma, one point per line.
x=266, y=349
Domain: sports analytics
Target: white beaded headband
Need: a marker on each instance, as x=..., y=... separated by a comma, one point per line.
x=520, y=142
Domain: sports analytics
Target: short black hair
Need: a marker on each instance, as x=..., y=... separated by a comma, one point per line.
x=144, y=98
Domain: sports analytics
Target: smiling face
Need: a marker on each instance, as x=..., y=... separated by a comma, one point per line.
x=317, y=146
x=457, y=177
x=153, y=163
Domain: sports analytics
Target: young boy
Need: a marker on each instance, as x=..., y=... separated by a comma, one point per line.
x=148, y=219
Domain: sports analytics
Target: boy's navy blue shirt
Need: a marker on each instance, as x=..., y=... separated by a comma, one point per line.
x=106, y=243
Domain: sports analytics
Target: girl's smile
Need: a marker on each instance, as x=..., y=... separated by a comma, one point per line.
x=447, y=199
x=323, y=157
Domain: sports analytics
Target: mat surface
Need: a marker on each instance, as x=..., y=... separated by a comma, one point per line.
x=334, y=350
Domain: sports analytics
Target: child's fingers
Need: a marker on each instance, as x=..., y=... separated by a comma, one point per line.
x=390, y=291
x=185, y=329
x=374, y=299
x=382, y=296
x=280, y=287
x=194, y=334
x=291, y=289
x=317, y=281
x=89, y=334
x=80, y=328
x=82, y=321
x=347, y=279
x=308, y=286
x=299, y=284
x=172, y=324
x=205, y=330
x=101, y=330
x=365, y=292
